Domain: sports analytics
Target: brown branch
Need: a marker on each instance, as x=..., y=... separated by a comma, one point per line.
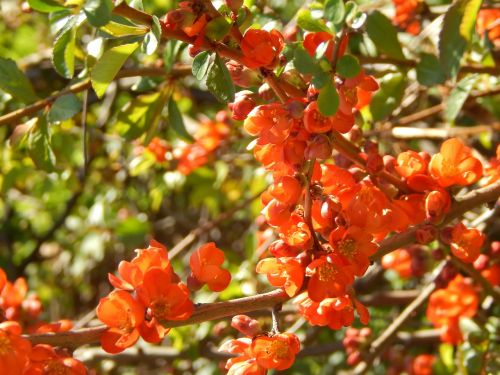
x=13, y=117
x=463, y=204
x=308, y=204
x=402, y=132
x=378, y=345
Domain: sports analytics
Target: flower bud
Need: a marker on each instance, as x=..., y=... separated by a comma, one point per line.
x=242, y=105
x=319, y=148
x=246, y=325
x=241, y=75
x=426, y=234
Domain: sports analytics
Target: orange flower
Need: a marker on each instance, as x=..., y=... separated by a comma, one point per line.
x=422, y=364
x=315, y=122
x=295, y=232
x=466, y=242
x=12, y=297
x=405, y=17
x=245, y=363
x=399, y=260
x=447, y=306
x=261, y=48
x=455, y=165
x=164, y=301
x=437, y=204
x=45, y=360
x=313, y=40
x=206, y=264
x=410, y=163
x=123, y=315
x=487, y=21
x=277, y=351
x=286, y=189
x=158, y=147
x=3, y=279
x=132, y=273
x=326, y=279
x=355, y=246
x=14, y=349
x=284, y=272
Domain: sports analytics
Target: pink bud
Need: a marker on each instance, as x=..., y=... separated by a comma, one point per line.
x=246, y=325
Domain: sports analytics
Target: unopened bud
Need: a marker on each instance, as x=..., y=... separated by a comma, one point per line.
x=319, y=148
x=241, y=75
x=246, y=325
x=426, y=234
x=242, y=105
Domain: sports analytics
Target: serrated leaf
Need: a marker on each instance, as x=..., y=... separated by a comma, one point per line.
x=140, y=115
x=152, y=39
x=46, y=6
x=201, y=64
x=120, y=30
x=328, y=100
x=306, y=21
x=304, y=63
x=98, y=12
x=109, y=64
x=219, y=81
x=176, y=122
x=382, y=32
x=457, y=97
x=389, y=96
x=39, y=147
x=429, y=72
x=64, y=108
x=63, y=53
x=14, y=82
x=348, y=66
x=458, y=25
x=335, y=11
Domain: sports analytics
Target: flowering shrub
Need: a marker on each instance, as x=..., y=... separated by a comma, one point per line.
x=317, y=162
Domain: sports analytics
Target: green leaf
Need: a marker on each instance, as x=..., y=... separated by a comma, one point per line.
x=217, y=28
x=458, y=25
x=201, y=64
x=328, y=100
x=334, y=11
x=46, y=6
x=389, y=96
x=39, y=147
x=446, y=356
x=119, y=30
x=109, y=64
x=304, y=63
x=172, y=48
x=98, y=12
x=14, y=82
x=64, y=108
x=176, y=122
x=384, y=35
x=429, y=72
x=140, y=115
x=348, y=66
x=219, y=81
x=306, y=21
x=152, y=39
x=457, y=97
x=63, y=54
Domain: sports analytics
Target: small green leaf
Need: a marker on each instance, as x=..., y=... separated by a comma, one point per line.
x=458, y=25
x=348, y=66
x=429, y=72
x=98, y=12
x=457, y=97
x=306, y=21
x=172, y=48
x=328, y=100
x=14, y=82
x=109, y=64
x=384, y=35
x=119, y=30
x=219, y=81
x=201, y=64
x=217, y=28
x=176, y=122
x=45, y=6
x=389, y=96
x=334, y=11
x=63, y=54
x=64, y=108
x=304, y=63
x=140, y=115
x=39, y=147
x=152, y=39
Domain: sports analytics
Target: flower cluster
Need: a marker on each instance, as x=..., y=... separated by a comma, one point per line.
x=257, y=353
x=447, y=306
x=17, y=355
x=406, y=16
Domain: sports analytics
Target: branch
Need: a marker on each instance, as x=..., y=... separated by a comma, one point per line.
x=463, y=204
x=402, y=132
x=378, y=345
x=12, y=117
